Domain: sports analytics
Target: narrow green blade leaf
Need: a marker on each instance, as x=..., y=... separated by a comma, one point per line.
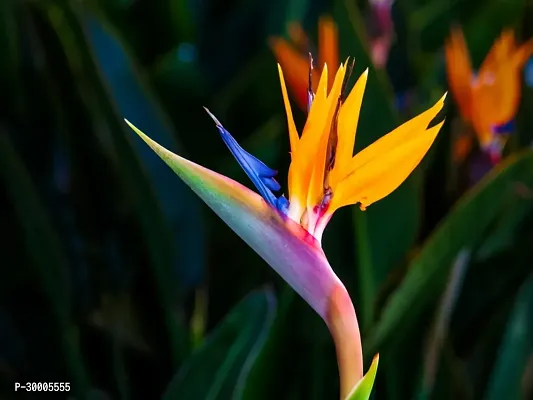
x=464, y=225
x=45, y=252
x=130, y=91
x=364, y=388
x=10, y=70
x=270, y=364
x=112, y=136
x=443, y=316
x=218, y=369
x=507, y=227
x=515, y=349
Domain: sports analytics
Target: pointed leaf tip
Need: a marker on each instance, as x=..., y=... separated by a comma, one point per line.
x=135, y=129
x=363, y=389
x=129, y=124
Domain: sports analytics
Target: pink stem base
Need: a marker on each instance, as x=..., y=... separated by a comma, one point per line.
x=344, y=328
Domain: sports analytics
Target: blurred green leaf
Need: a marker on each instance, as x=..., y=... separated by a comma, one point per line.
x=9, y=46
x=246, y=77
x=506, y=228
x=117, y=317
x=198, y=320
x=178, y=72
x=133, y=98
x=117, y=145
x=183, y=19
x=466, y=222
x=219, y=368
x=429, y=21
x=484, y=305
x=45, y=253
x=120, y=371
x=515, y=348
x=271, y=360
x=440, y=327
x=284, y=12
x=488, y=22
x=363, y=389
x=525, y=117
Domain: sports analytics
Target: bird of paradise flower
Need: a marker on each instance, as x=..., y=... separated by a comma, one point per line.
x=323, y=176
x=487, y=100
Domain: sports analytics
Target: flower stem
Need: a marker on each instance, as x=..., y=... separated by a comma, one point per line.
x=344, y=328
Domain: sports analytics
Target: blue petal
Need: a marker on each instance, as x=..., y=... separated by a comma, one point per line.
x=261, y=175
x=272, y=184
x=282, y=204
x=504, y=129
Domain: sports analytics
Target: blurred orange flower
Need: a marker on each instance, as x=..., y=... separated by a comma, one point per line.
x=489, y=99
x=294, y=58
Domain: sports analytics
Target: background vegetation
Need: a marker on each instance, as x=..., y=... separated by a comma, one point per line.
x=116, y=278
